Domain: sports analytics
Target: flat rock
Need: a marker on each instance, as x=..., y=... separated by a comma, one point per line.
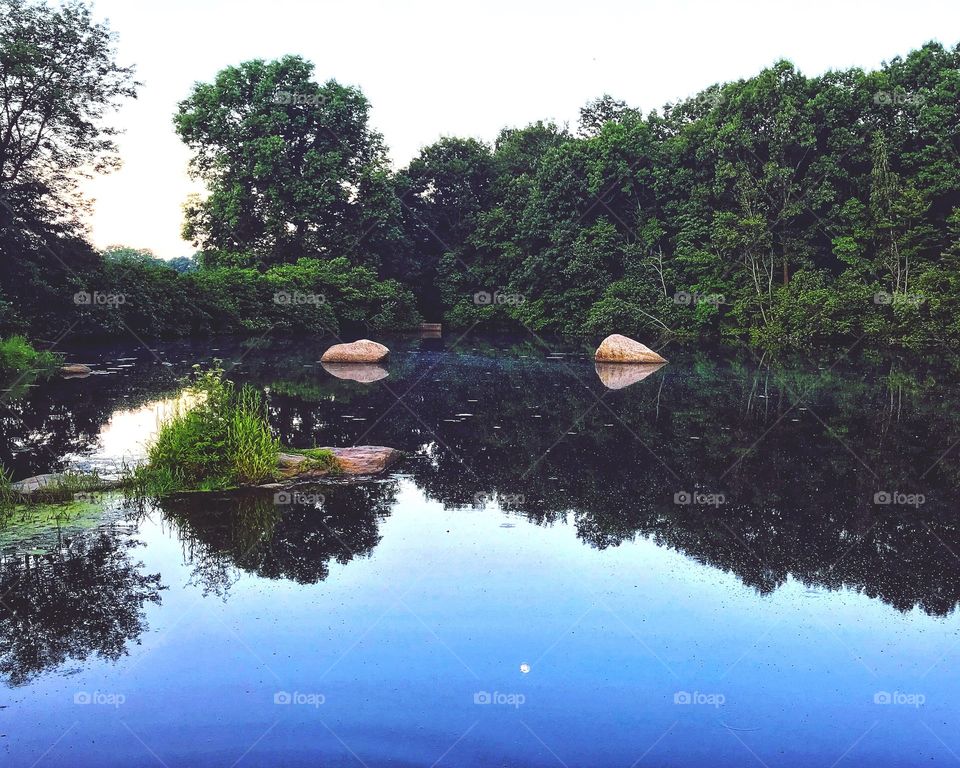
x=365, y=373
x=54, y=481
x=622, y=375
x=38, y=483
x=357, y=460
x=622, y=349
x=360, y=351
x=366, y=459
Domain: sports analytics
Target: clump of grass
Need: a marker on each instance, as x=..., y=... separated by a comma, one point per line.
x=17, y=354
x=7, y=495
x=220, y=440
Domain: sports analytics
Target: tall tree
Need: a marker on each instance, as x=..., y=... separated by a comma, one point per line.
x=292, y=167
x=59, y=80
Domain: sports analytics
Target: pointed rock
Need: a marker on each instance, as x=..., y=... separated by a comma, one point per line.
x=621, y=349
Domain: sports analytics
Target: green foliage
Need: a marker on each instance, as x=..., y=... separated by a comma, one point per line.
x=7, y=495
x=220, y=439
x=311, y=296
x=59, y=80
x=801, y=201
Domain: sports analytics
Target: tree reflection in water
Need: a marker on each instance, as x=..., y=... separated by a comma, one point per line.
x=86, y=598
x=295, y=539
x=797, y=447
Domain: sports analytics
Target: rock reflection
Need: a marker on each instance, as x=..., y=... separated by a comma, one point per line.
x=623, y=375
x=364, y=373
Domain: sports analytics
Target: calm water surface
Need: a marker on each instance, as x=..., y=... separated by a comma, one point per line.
x=732, y=561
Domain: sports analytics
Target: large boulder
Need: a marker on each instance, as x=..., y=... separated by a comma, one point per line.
x=360, y=351
x=621, y=349
x=365, y=373
x=622, y=375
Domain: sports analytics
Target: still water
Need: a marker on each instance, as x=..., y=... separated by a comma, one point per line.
x=731, y=561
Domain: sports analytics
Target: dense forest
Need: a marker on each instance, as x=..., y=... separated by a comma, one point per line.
x=781, y=209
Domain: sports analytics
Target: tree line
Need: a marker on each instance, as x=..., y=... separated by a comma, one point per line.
x=782, y=209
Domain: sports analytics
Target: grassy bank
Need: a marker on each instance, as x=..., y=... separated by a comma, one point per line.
x=17, y=355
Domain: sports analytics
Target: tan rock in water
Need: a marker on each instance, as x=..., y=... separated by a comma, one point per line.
x=76, y=371
x=622, y=375
x=621, y=349
x=365, y=373
x=360, y=351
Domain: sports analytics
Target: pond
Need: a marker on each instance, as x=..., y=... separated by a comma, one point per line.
x=733, y=560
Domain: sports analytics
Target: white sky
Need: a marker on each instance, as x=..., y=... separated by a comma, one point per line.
x=433, y=68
